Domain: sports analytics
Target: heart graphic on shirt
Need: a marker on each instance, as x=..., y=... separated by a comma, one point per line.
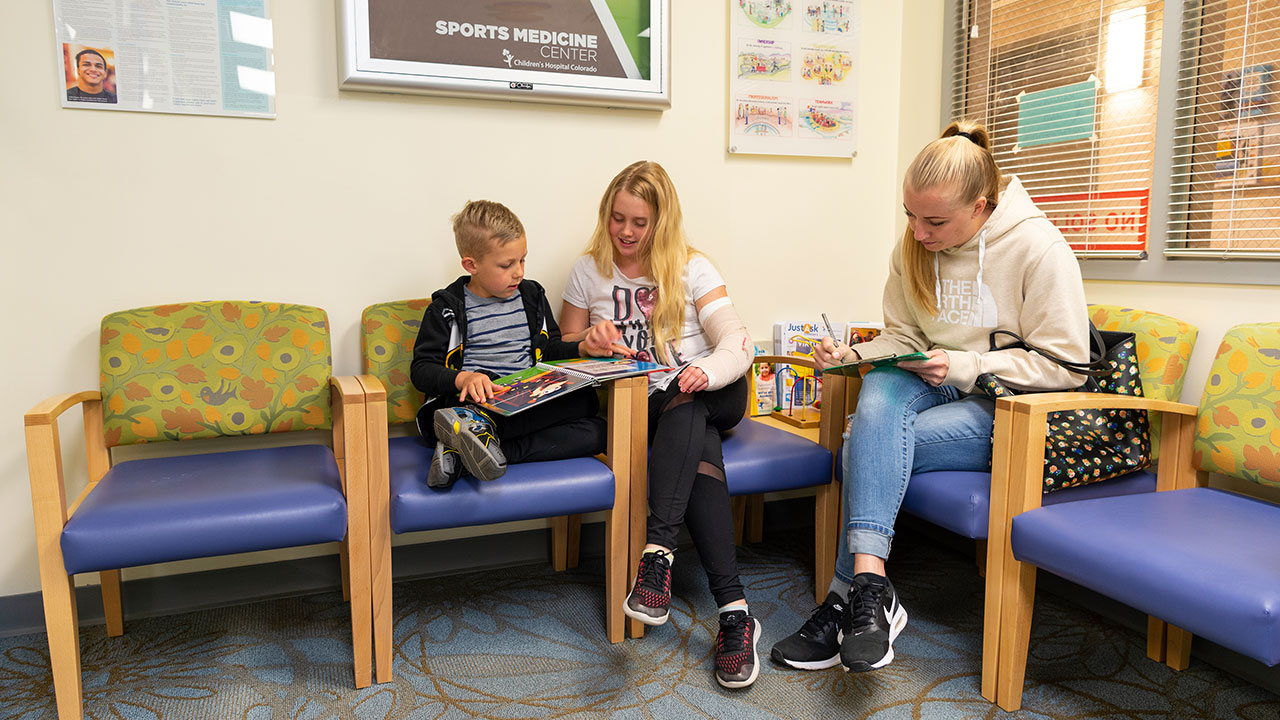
x=645, y=299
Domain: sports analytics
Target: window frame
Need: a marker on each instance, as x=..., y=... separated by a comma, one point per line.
x=1156, y=266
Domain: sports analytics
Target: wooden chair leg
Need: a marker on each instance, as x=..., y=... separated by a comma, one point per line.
x=754, y=531
x=615, y=571
x=980, y=557
x=344, y=560
x=739, y=505
x=1015, y=633
x=826, y=537
x=573, y=541
x=1157, y=632
x=111, y=606
x=62, y=623
x=560, y=543
x=1178, y=648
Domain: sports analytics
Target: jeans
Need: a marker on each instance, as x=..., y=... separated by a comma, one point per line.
x=902, y=426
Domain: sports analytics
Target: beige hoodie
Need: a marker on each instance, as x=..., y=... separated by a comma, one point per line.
x=1016, y=274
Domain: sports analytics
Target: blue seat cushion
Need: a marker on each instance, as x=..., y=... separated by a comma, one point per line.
x=760, y=458
x=1205, y=560
x=161, y=509
x=527, y=490
x=960, y=501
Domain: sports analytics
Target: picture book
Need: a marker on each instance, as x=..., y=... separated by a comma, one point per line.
x=855, y=368
x=544, y=381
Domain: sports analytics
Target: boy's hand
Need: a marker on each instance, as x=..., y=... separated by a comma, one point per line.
x=475, y=385
x=600, y=341
x=831, y=352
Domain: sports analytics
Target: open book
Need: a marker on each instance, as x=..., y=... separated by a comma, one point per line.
x=544, y=381
x=855, y=368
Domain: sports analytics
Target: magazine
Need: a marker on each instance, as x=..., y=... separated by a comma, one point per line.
x=544, y=381
x=855, y=368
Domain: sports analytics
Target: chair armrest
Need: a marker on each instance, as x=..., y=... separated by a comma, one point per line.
x=44, y=413
x=350, y=448
x=347, y=389
x=1052, y=402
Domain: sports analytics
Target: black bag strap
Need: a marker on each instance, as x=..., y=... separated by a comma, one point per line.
x=1096, y=367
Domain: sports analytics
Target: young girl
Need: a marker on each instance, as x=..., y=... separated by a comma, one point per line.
x=642, y=291
x=965, y=267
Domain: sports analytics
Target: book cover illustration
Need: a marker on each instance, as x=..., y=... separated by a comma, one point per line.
x=530, y=387
x=608, y=368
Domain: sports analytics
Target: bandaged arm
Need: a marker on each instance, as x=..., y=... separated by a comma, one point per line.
x=733, y=350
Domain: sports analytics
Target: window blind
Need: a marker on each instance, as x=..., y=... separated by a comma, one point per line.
x=1226, y=158
x=1068, y=92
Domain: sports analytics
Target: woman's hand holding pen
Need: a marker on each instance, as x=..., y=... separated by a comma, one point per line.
x=832, y=352
x=601, y=341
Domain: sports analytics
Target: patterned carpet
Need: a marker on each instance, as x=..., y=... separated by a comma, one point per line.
x=527, y=642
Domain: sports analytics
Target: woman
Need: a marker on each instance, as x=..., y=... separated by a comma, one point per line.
x=642, y=291
x=977, y=256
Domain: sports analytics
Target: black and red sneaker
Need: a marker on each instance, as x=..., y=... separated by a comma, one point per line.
x=650, y=598
x=737, y=662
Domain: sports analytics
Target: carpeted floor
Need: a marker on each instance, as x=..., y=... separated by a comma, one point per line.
x=527, y=642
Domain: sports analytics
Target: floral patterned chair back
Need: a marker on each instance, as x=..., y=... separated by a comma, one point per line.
x=1164, y=349
x=208, y=369
x=1238, y=426
x=388, y=332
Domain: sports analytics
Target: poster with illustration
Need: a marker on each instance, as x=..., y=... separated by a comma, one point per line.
x=793, y=77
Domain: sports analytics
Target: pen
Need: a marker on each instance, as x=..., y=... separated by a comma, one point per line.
x=830, y=332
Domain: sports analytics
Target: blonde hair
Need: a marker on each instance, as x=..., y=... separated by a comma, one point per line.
x=483, y=225
x=665, y=254
x=963, y=164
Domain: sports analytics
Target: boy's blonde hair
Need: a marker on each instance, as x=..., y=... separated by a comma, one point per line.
x=664, y=256
x=960, y=160
x=483, y=225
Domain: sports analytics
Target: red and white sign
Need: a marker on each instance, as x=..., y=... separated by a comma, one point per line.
x=1113, y=220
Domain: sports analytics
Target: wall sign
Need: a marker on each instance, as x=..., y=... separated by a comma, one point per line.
x=586, y=52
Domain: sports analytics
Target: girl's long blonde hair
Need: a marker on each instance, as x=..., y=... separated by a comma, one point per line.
x=663, y=256
x=962, y=163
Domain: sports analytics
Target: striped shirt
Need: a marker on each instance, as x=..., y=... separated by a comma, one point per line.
x=497, y=334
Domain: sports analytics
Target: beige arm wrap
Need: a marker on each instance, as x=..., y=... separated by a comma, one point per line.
x=733, y=350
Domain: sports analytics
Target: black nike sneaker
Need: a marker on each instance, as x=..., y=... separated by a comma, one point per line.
x=871, y=622
x=817, y=644
x=650, y=598
x=737, y=663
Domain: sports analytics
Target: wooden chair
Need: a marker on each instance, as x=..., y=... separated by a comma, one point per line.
x=400, y=500
x=1206, y=561
x=961, y=501
x=210, y=371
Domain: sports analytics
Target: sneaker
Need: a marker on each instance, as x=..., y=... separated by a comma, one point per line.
x=446, y=466
x=817, y=645
x=870, y=623
x=475, y=437
x=650, y=598
x=737, y=663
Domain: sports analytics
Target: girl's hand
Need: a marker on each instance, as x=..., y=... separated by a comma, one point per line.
x=600, y=341
x=692, y=379
x=934, y=370
x=831, y=352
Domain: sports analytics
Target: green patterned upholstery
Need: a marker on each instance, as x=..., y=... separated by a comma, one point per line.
x=1238, y=426
x=1164, y=349
x=196, y=370
x=388, y=332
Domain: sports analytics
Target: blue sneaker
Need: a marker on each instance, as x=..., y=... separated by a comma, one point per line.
x=474, y=436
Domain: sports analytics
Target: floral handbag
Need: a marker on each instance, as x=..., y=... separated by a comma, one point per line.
x=1085, y=446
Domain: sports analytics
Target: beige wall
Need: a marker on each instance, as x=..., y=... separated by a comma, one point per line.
x=343, y=201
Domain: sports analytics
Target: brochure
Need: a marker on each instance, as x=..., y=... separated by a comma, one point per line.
x=544, y=381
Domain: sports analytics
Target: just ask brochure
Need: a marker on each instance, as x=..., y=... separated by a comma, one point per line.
x=544, y=381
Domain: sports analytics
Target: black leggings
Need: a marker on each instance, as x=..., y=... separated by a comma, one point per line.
x=686, y=478
x=566, y=427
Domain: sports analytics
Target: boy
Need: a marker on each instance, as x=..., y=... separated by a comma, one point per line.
x=487, y=324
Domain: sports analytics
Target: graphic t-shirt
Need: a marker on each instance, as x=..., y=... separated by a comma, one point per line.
x=628, y=304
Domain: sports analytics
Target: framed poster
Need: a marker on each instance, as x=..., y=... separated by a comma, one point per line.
x=793, y=77
x=583, y=52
